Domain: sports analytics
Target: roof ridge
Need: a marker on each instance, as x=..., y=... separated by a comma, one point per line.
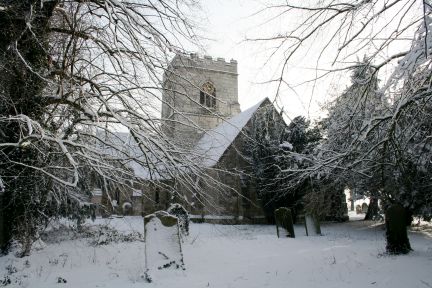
x=214, y=142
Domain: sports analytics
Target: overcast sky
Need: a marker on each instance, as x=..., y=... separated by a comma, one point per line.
x=228, y=24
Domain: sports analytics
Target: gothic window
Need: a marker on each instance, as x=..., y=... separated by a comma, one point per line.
x=208, y=95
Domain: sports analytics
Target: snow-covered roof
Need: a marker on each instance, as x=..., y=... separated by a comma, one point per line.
x=126, y=147
x=209, y=148
x=216, y=141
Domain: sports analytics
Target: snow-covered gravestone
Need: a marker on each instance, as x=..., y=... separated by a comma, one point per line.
x=284, y=222
x=3, y=239
x=183, y=217
x=162, y=244
x=312, y=226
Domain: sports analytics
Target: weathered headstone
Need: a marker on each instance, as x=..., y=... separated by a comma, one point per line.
x=3, y=237
x=284, y=222
x=312, y=226
x=183, y=217
x=163, y=247
x=358, y=209
x=396, y=232
x=364, y=208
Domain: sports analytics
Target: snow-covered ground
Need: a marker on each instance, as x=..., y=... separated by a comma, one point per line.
x=348, y=255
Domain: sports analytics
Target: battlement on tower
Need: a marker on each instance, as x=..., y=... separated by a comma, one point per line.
x=206, y=62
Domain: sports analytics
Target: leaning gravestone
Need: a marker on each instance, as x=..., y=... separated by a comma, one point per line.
x=162, y=245
x=284, y=222
x=396, y=232
x=3, y=237
x=312, y=226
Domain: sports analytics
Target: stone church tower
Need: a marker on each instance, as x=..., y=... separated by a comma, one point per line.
x=198, y=93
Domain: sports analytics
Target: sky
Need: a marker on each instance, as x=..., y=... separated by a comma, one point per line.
x=228, y=23
x=227, y=26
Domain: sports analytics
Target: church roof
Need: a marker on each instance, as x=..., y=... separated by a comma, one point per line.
x=123, y=147
x=209, y=148
x=216, y=141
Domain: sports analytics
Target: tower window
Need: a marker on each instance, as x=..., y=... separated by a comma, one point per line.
x=208, y=95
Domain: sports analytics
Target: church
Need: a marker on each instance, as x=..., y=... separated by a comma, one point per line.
x=201, y=115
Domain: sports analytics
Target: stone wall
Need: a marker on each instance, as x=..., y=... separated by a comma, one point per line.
x=238, y=176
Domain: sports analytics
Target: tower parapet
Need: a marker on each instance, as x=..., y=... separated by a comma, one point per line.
x=206, y=62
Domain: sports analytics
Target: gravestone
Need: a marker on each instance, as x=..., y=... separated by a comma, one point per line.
x=162, y=245
x=3, y=237
x=396, y=232
x=364, y=208
x=358, y=209
x=183, y=217
x=312, y=226
x=284, y=222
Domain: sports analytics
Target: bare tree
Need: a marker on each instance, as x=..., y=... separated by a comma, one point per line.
x=73, y=74
x=335, y=33
x=343, y=31
x=388, y=149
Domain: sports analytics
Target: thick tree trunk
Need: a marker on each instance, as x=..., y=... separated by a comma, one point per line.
x=396, y=231
x=284, y=221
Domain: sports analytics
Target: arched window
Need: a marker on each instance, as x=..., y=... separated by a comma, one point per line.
x=208, y=95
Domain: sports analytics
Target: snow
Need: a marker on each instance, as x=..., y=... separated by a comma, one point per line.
x=97, y=192
x=214, y=142
x=250, y=256
x=126, y=205
x=137, y=193
x=287, y=145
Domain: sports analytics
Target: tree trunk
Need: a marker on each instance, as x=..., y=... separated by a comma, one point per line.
x=409, y=217
x=284, y=221
x=396, y=231
x=4, y=229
